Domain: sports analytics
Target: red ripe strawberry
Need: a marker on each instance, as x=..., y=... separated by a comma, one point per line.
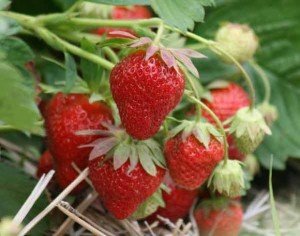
x=120, y=191
x=178, y=203
x=45, y=164
x=65, y=115
x=125, y=13
x=134, y=12
x=190, y=163
x=225, y=103
x=221, y=221
x=145, y=92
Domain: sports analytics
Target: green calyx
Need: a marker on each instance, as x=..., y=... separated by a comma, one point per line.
x=116, y=143
x=269, y=112
x=201, y=130
x=248, y=128
x=228, y=179
x=149, y=206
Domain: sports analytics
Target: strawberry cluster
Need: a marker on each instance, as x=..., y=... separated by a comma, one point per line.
x=141, y=170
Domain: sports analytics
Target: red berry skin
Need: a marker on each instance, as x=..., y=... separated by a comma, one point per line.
x=125, y=13
x=178, y=203
x=221, y=222
x=145, y=91
x=65, y=115
x=122, y=192
x=131, y=13
x=225, y=103
x=189, y=162
x=45, y=164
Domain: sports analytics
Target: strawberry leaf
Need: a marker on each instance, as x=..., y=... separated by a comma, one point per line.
x=71, y=73
x=180, y=14
x=14, y=194
x=91, y=72
x=17, y=108
x=15, y=51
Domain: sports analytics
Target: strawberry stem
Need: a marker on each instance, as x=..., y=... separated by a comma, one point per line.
x=214, y=47
x=159, y=34
x=264, y=79
x=31, y=24
x=218, y=122
x=195, y=92
x=77, y=37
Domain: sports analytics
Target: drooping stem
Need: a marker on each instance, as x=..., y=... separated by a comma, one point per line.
x=264, y=79
x=195, y=92
x=240, y=67
x=214, y=47
x=218, y=122
x=159, y=34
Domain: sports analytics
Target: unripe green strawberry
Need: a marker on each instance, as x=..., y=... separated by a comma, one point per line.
x=238, y=40
x=248, y=128
x=251, y=164
x=269, y=112
x=228, y=179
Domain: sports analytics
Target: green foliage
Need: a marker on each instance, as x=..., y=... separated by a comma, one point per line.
x=279, y=55
x=8, y=27
x=4, y=4
x=14, y=194
x=71, y=72
x=17, y=107
x=91, y=72
x=16, y=51
x=180, y=14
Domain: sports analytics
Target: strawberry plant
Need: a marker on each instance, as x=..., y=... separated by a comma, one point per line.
x=146, y=117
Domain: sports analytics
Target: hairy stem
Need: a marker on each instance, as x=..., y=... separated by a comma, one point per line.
x=214, y=47
x=195, y=92
x=264, y=79
x=77, y=37
x=159, y=34
x=94, y=23
x=54, y=41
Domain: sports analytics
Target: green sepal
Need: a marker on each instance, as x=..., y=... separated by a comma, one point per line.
x=248, y=127
x=122, y=148
x=228, y=179
x=269, y=112
x=201, y=130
